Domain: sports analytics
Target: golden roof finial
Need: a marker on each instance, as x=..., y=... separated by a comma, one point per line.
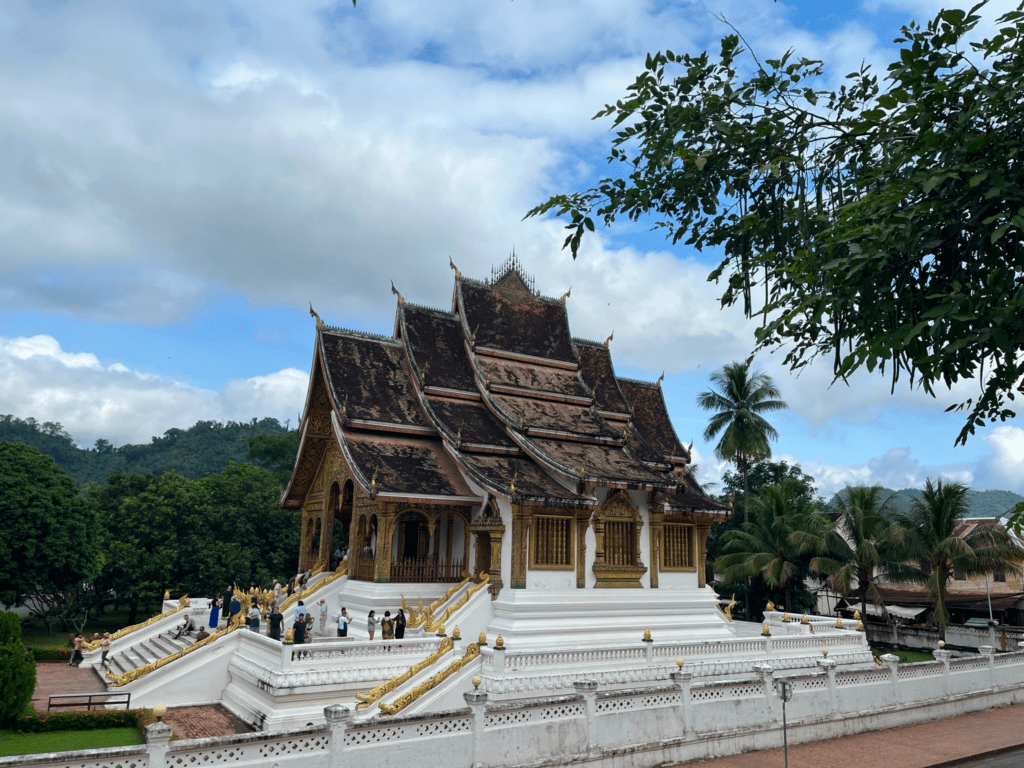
x=344, y=406
x=660, y=379
x=610, y=337
x=647, y=634
x=458, y=436
x=397, y=293
x=519, y=420
x=624, y=430
x=423, y=372
x=765, y=632
x=566, y=295
x=458, y=275
x=312, y=313
x=512, y=485
x=472, y=336
x=583, y=468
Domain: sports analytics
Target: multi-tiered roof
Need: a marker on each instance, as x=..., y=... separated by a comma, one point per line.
x=494, y=394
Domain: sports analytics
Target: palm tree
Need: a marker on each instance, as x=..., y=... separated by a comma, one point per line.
x=738, y=399
x=858, y=545
x=771, y=544
x=936, y=552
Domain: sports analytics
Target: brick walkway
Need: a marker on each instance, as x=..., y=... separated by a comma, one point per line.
x=937, y=743
x=187, y=722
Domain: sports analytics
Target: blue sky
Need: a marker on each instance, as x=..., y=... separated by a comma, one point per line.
x=178, y=182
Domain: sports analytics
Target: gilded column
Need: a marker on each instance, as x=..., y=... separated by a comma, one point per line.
x=306, y=541
x=598, y=542
x=449, y=520
x=702, y=553
x=520, y=535
x=495, y=584
x=385, y=531
x=657, y=542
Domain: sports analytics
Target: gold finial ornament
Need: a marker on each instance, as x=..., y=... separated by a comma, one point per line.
x=679, y=663
x=804, y=619
x=660, y=379
x=610, y=337
x=477, y=680
x=440, y=629
x=770, y=606
x=566, y=295
x=482, y=640
x=785, y=617
x=825, y=653
x=159, y=710
x=458, y=275
x=839, y=623
x=456, y=634
x=397, y=293
x=500, y=642
x=765, y=632
x=312, y=313
x=942, y=643
x=860, y=626
x=512, y=485
x=856, y=614
x=647, y=635
x=167, y=594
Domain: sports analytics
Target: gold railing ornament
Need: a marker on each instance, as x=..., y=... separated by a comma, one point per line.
x=296, y=596
x=482, y=640
x=770, y=606
x=472, y=652
x=167, y=594
x=942, y=644
x=319, y=567
x=131, y=675
x=765, y=632
x=878, y=661
x=839, y=623
x=647, y=635
x=825, y=653
x=440, y=630
x=679, y=663
x=500, y=642
x=860, y=626
x=728, y=609
x=374, y=695
x=433, y=624
x=159, y=710
x=856, y=614
x=456, y=635
x=183, y=602
x=785, y=617
x=804, y=619
x=289, y=635
x=476, y=681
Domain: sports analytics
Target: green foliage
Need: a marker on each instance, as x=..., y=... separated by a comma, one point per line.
x=47, y=528
x=930, y=537
x=52, y=654
x=63, y=741
x=992, y=503
x=275, y=453
x=874, y=225
x=206, y=446
x=17, y=670
x=74, y=720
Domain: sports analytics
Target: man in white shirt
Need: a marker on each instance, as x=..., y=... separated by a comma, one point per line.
x=343, y=622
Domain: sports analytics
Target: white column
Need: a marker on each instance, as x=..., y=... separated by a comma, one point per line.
x=477, y=700
x=892, y=663
x=338, y=719
x=943, y=655
x=989, y=652
x=158, y=739
x=764, y=671
x=683, y=678
x=829, y=665
x=589, y=690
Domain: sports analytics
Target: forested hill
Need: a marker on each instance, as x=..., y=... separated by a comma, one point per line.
x=981, y=503
x=206, y=446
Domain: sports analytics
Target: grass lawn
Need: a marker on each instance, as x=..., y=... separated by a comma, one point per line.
x=906, y=657
x=59, y=741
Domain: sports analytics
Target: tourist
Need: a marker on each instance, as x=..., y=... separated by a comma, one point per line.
x=400, y=625
x=387, y=627
x=278, y=592
x=299, y=626
x=76, y=654
x=371, y=624
x=309, y=625
x=215, y=612
x=343, y=622
x=234, y=609
x=106, y=649
x=291, y=586
x=95, y=637
x=274, y=622
x=187, y=627
x=254, y=617
x=202, y=634
x=323, y=617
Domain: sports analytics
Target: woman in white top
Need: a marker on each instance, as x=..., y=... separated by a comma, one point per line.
x=371, y=624
x=254, y=618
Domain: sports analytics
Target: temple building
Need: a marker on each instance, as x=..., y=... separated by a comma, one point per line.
x=487, y=440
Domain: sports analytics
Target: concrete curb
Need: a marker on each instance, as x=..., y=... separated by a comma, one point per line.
x=979, y=756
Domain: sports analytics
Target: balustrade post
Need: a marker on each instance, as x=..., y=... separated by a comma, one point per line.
x=338, y=719
x=892, y=663
x=764, y=671
x=477, y=701
x=499, y=659
x=943, y=655
x=829, y=665
x=989, y=652
x=683, y=678
x=589, y=690
x=158, y=740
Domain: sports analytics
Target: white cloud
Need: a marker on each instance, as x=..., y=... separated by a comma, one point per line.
x=42, y=380
x=1005, y=467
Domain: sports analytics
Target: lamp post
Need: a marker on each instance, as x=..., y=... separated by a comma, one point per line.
x=785, y=692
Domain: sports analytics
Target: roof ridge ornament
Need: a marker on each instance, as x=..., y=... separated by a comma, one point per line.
x=312, y=313
x=610, y=337
x=458, y=275
x=397, y=293
x=660, y=379
x=566, y=295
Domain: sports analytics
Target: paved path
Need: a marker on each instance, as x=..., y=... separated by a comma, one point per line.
x=58, y=677
x=203, y=722
x=939, y=743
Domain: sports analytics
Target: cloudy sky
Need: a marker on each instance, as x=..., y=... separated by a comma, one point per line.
x=179, y=180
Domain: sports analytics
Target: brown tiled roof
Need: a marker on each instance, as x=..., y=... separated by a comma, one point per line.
x=973, y=600
x=436, y=345
x=559, y=417
x=690, y=498
x=404, y=465
x=650, y=416
x=521, y=323
x=599, y=375
x=532, y=483
x=472, y=418
x=602, y=463
x=643, y=451
x=537, y=378
x=366, y=375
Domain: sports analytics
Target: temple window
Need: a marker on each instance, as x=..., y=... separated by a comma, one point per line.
x=620, y=542
x=551, y=542
x=677, y=552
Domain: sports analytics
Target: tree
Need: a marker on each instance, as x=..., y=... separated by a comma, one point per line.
x=740, y=399
x=931, y=537
x=17, y=670
x=47, y=528
x=275, y=453
x=770, y=546
x=857, y=547
x=877, y=226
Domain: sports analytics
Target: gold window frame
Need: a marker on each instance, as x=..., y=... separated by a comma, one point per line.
x=689, y=530
x=570, y=543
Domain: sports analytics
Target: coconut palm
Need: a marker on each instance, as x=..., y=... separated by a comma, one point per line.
x=930, y=535
x=858, y=546
x=738, y=399
x=770, y=545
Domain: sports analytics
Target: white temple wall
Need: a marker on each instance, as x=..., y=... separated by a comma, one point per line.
x=506, y=543
x=676, y=580
x=544, y=579
x=591, y=539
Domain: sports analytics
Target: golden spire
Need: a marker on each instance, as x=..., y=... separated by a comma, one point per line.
x=312, y=313
x=512, y=485
x=397, y=293
x=610, y=337
x=458, y=275
x=566, y=295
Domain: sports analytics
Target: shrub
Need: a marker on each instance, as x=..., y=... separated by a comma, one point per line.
x=52, y=654
x=17, y=669
x=44, y=722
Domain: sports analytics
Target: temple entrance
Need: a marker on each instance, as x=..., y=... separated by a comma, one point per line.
x=414, y=539
x=483, y=554
x=422, y=549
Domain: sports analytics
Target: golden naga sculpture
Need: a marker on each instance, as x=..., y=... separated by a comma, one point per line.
x=437, y=625
x=770, y=606
x=296, y=596
x=878, y=661
x=404, y=701
x=728, y=609
x=183, y=602
x=366, y=699
x=117, y=681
